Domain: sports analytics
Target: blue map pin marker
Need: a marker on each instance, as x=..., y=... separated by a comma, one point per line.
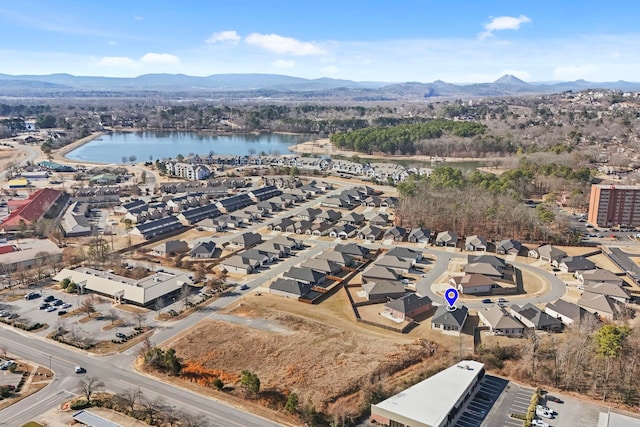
x=451, y=295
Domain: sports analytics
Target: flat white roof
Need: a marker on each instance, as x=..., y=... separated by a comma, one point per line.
x=430, y=401
x=613, y=419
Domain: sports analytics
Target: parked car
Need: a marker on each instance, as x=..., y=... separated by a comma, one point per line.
x=62, y=312
x=32, y=295
x=545, y=408
x=79, y=370
x=551, y=398
x=51, y=309
x=120, y=335
x=49, y=298
x=4, y=313
x=539, y=423
x=44, y=306
x=502, y=300
x=544, y=414
x=13, y=316
x=58, y=302
x=486, y=300
x=244, y=287
x=65, y=305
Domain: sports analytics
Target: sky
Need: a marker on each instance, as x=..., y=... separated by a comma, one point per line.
x=361, y=40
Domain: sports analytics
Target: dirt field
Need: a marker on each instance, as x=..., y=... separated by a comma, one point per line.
x=324, y=361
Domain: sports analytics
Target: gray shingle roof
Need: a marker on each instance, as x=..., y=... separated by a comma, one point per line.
x=455, y=318
x=408, y=303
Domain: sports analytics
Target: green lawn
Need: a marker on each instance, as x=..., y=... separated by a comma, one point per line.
x=32, y=424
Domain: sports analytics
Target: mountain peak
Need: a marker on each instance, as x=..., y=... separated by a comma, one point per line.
x=509, y=79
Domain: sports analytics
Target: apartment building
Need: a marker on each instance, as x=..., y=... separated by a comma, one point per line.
x=613, y=205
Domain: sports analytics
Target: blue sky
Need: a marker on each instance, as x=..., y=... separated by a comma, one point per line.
x=400, y=40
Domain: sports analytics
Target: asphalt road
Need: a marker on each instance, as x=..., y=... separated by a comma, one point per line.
x=118, y=375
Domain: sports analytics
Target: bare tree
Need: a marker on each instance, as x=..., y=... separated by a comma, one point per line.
x=129, y=398
x=87, y=307
x=140, y=319
x=113, y=315
x=191, y=420
x=89, y=386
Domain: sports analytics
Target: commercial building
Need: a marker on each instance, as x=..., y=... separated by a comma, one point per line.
x=434, y=402
x=144, y=292
x=614, y=205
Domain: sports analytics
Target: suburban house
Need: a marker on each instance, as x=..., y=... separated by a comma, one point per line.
x=262, y=257
x=289, y=288
x=329, y=215
x=600, y=305
x=598, y=275
x=406, y=253
x=408, y=306
x=397, y=234
x=344, y=231
x=305, y=275
x=288, y=242
x=375, y=273
x=341, y=258
x=447, y=239
x=380, y=220
x=571, y=264
x=170, y=248
x=548, y=253
x=299, y=227
x=239, y=264
x=274, y=250
x=309, y=214
x=450, y=322
x=614, y=291
x=352, y=218
x=370, y=233
x=246, y=240
x=320, y=229
x=509, y=247
x=282, y=225
x=473, y=284
x=383, y=290
x=568, y=313
x=322, y=265
x=353, y=249
x=203, y=250
x=500, y=322
x=484, y=269
x=264, y=193
x=475, y=243
x=419, y=235
x=532, y=317
x=400, y=265
x=210, y=224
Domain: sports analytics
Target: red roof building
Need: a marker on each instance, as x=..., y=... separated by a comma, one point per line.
x=6, y=249
x=33, y=209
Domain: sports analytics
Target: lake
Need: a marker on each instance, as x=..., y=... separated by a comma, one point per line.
x=149, y=145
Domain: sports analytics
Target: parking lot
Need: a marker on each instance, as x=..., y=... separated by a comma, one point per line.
x=99, y=328
x=477, y=408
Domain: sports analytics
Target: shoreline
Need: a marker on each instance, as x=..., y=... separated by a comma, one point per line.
x=316, y=147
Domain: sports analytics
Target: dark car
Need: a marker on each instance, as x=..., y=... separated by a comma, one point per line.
x=58, y=302
x=120, y=335
x=553, y=399
x=44, y=306
x=32, y=295
x=13, y=316
x=486, y=300
x=62, y=312
x=49, y=298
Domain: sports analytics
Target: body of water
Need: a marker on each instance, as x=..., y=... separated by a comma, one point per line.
x=145, y=146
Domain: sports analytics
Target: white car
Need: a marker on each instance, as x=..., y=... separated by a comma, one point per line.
x=539, y=423
x=544, y=414
x=545, y=408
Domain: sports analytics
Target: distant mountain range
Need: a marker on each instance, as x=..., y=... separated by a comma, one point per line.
x=280, y=86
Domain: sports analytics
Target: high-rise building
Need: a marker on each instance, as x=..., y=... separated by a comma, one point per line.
x=614, y=205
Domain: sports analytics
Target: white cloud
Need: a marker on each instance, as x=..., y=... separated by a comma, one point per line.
x=138, y=18
x=231, y=37
x=284, y=45
x=116, y=61
x=501, y=23
x=331, y=69
x=160, y=58
x=112, y=43
x=284, y=63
